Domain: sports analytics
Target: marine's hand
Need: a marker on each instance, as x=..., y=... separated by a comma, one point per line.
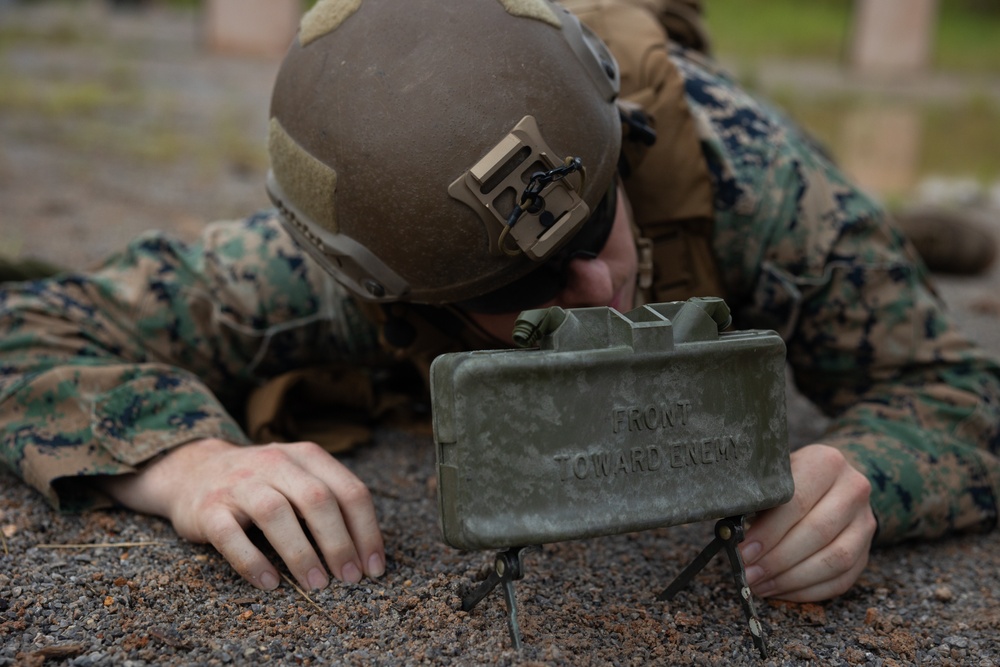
x=212, y=491
x=815, y=546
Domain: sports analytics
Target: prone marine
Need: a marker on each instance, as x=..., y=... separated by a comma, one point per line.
x=480, y=158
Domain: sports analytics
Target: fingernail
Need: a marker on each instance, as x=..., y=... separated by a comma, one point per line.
x=268, y=581
x=754, y=574
x=376, y=567
x=351, y=574
x=317, y=579
x=750, y=552
x=764, y=587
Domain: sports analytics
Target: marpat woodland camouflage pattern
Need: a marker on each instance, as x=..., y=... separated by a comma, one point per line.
x=163, y=343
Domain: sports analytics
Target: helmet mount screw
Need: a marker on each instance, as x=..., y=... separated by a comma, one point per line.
x=532, y=201
x=374, y=288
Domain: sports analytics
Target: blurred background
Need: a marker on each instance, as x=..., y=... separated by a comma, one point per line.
x=905, y=93
x=119, y=116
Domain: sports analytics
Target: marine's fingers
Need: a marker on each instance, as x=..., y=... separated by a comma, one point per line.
x=338, y=508
x=827, y=573
x=271, y=510
x=811, y=471
x=844, y=508
x=222, y=530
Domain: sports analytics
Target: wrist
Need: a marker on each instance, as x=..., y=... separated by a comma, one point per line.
x=159, y=481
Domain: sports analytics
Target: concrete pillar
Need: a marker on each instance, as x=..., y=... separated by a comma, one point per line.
x=893, y=36
x=250, y=27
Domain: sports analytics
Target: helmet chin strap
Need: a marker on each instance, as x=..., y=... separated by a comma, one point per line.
x=467, y=320
x=400, y=332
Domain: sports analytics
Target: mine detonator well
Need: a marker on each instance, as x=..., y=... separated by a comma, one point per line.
x=614, y=423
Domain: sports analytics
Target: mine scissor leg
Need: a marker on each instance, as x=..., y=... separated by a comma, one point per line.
x=728, y=533
x=507, y=568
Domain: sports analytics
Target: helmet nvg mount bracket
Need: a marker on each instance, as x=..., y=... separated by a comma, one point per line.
x=438, y=158
x=555, y=211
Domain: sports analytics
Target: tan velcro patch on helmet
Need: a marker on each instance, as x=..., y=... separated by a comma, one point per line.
x=306, y=182
x=324, y=17
x=532, y=9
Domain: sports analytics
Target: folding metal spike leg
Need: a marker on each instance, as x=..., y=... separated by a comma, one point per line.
x=728, y=533
x=508, y=567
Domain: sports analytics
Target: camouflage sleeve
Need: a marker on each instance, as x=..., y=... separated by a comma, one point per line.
x=100, y=372
x=915, y=405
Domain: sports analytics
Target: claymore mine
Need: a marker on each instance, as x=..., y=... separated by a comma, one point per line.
x=610, y=423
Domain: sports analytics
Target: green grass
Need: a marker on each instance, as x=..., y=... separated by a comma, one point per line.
x=59, y=99
x=963, y=140
x=63, y=33
x=754, y=29
x=966, y=39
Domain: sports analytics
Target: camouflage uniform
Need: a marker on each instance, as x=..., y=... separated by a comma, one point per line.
x=162, y=344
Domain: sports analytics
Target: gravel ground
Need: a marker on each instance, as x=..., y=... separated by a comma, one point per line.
x=130, y=125
x=581, y=603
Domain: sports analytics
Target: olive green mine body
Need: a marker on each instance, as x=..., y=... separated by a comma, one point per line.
x=615, y=423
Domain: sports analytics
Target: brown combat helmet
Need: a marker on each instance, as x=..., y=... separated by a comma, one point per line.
x=434, y=151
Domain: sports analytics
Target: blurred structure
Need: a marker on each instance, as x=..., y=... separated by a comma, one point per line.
x=892, y=36
x=250, y=27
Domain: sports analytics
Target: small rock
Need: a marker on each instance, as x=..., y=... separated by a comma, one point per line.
x=871, y=616
x=943, y=594
x=801, y=651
